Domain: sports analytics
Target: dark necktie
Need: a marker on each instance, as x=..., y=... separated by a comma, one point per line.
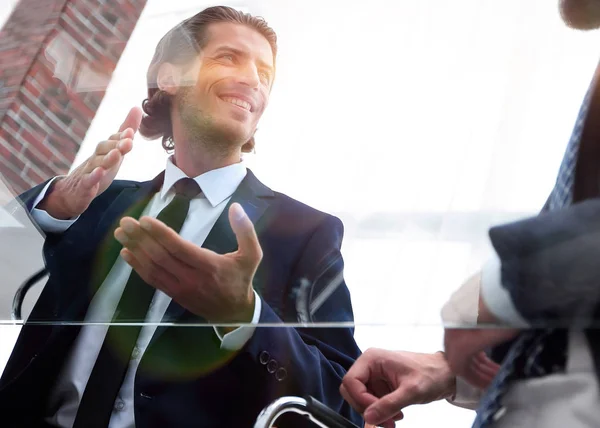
x=107, y=376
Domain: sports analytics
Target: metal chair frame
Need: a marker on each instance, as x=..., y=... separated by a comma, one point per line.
x=308, y=407
x=19, y=298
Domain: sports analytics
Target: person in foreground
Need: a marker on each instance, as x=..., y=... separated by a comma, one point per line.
x=541, y=286
x=205, y=243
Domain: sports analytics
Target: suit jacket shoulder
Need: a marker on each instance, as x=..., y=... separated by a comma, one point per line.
x=550, y=264
x=293, y=216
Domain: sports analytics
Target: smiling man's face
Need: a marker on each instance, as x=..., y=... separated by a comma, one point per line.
x=581, y=14
x=226, y=91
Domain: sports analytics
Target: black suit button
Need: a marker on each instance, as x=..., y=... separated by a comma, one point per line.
x=281, y=374
x=264, y=358
x=272, y=366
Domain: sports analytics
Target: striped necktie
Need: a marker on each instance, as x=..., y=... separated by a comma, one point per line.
x=528, y=349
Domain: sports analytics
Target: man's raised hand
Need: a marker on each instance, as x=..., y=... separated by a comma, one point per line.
x=74, y=193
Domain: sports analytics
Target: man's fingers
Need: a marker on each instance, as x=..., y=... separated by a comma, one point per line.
x=133, y=120
x=398, y=416
x=357, y=379
x=128, y=128
x=248, y=245
x=356, y=394
x=124, y=145
x=129, y=233
x=391, y=423
x=112, y=159
x=131, y=259
x=151, y=273
x=350, y=399
x=118, y=136
x=379, y=387
x=106, y=146
x=177, y=247
x=93, y=178
x=387, y=407
x=477, y=378
x=482, y=371
x=132, y=236
x=486, y=364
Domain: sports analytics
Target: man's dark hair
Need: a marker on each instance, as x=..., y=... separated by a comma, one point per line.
x=181, y=45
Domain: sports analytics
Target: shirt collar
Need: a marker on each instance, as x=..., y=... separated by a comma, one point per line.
x=216, y=185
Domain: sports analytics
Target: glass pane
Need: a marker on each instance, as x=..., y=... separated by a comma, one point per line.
x=415, y=126
x=438, y=152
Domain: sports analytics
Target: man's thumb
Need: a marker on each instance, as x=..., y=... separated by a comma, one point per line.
x=386, y=408
x=243, y=228
x=133, y=120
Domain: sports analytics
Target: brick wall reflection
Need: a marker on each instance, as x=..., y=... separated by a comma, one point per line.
x=57, y=60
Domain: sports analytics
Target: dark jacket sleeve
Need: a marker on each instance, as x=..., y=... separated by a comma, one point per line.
x=310, y=360
x=26, y=200
x=550, y=265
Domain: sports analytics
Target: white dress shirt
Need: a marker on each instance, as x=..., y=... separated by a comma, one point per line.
x=217, y=187
x=496, y=297
x=555, y=400
x=462, y=310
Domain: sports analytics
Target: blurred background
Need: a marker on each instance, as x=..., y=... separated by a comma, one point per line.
x=419, y=124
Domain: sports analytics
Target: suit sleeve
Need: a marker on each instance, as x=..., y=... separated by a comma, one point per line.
x=25, y=202
x=310, y=360
x=44, y=220
x=550, y=265
x=27, y=198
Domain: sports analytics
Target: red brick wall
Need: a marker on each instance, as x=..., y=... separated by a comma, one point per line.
x=57, y=59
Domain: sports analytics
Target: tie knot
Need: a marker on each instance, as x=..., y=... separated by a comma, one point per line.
x=187, y=187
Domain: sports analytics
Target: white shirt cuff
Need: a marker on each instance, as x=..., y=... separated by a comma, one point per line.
x=461, y=309
x=46, y=222
x=466, y=396
x=496, y=297
x=236, y=339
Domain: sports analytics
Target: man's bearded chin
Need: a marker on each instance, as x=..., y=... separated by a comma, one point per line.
x=581, y=14
x=203, y=131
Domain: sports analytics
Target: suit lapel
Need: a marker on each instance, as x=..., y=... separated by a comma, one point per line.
x=254, y=197
x=131, y=201
x=251, y=195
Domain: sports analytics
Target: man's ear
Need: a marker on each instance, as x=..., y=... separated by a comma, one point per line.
x=168, y=78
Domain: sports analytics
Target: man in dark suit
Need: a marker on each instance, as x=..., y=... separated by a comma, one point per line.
x=545, y=275
x=204, y=244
